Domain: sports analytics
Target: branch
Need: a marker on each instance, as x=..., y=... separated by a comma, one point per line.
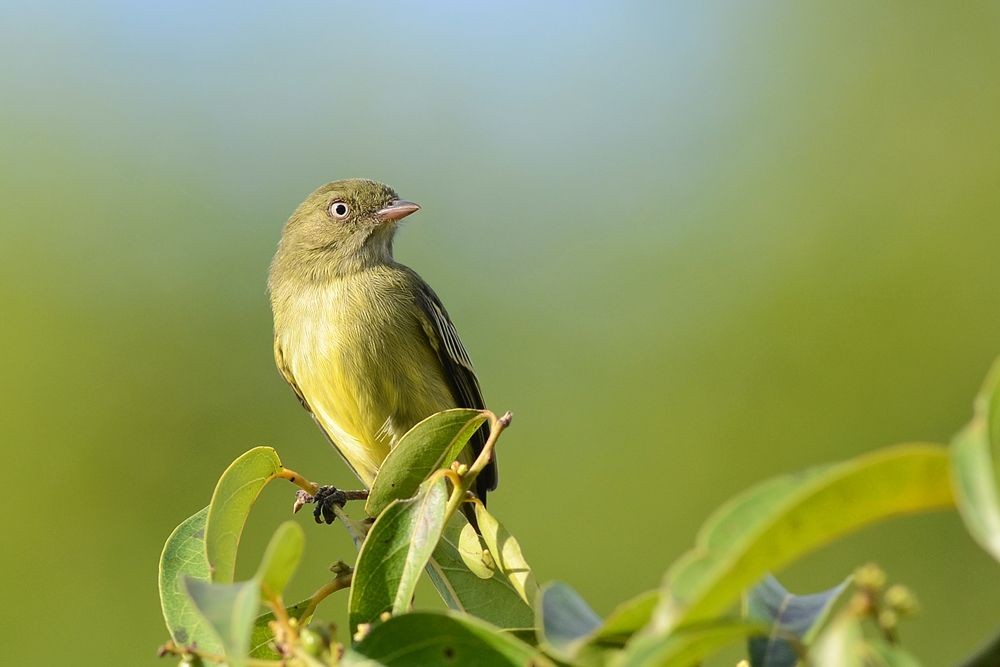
x=467, y=477
x=340, y=583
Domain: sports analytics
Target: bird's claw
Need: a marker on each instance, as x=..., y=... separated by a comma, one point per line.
x=326, y=497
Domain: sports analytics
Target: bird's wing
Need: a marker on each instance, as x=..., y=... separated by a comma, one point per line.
x=286, y=372
x=340, y=440
x=458, y=371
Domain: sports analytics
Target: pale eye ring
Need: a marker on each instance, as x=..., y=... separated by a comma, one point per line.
x=339, y=210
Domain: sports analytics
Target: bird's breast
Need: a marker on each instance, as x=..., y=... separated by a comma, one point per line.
x=363, y=364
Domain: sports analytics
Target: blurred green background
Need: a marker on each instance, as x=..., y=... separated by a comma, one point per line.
x=689, y=245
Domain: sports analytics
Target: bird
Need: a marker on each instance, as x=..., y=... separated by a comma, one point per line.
x=364, y=342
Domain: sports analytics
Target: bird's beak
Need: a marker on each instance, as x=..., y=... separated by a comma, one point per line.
x=397, y=210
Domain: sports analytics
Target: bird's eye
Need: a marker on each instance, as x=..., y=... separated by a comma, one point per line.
x=339, y=209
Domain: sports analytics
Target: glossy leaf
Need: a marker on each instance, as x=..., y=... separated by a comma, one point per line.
x=975, y=473
x=507, y=555
x=565, y=622
x=687, y=646
x=781, y=520
x=395, y=552
x=789, y=616
x=280, y=560
x=230, y=610
x=184, y=556
x=430, y=638
x=235, y=494
x=431, y=444
x=467, y=578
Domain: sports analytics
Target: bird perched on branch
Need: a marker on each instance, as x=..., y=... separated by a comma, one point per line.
x=364, y=342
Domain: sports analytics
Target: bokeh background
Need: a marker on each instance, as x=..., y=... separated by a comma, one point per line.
x=689, y=245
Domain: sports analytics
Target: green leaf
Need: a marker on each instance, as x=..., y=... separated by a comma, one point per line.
x=230, y=610
x=280, y=559
x=564, y=621
x=395, y=552
x=261, y=635
x=884, y=654
x=789, y=616
x=783, y=519
x=184, y=555
x=973, y=468
x=227, y=513
x=431, y=444
x=627, y=619
x=507, y=555
x=430, y=639
x=842, y=643
x=570, y=630
x=689, y=645
x=987, y=403
x=987, y=655
x=465, y=574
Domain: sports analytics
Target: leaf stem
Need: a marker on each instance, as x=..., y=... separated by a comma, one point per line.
x=340, y=583
x=460, y=482
x=451, y=475
x=298, y=480
x=460, y=490
x=278, y=609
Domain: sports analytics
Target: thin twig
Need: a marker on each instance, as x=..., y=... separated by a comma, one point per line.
x=449, y=474
x=278, y=609
x=459, y=492
x=340, y=583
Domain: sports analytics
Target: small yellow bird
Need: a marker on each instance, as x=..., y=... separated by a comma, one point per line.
x=363, y=341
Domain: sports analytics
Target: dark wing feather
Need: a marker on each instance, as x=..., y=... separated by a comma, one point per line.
x=458, y=371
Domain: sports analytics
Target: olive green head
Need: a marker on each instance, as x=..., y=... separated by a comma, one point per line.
x=341, y=227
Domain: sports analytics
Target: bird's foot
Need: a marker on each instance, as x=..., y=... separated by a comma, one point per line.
x=325, y=498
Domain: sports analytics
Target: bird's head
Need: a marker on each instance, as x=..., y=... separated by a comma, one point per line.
x=344, y=225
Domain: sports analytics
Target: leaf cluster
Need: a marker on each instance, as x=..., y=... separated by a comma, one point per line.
x=417, y=522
